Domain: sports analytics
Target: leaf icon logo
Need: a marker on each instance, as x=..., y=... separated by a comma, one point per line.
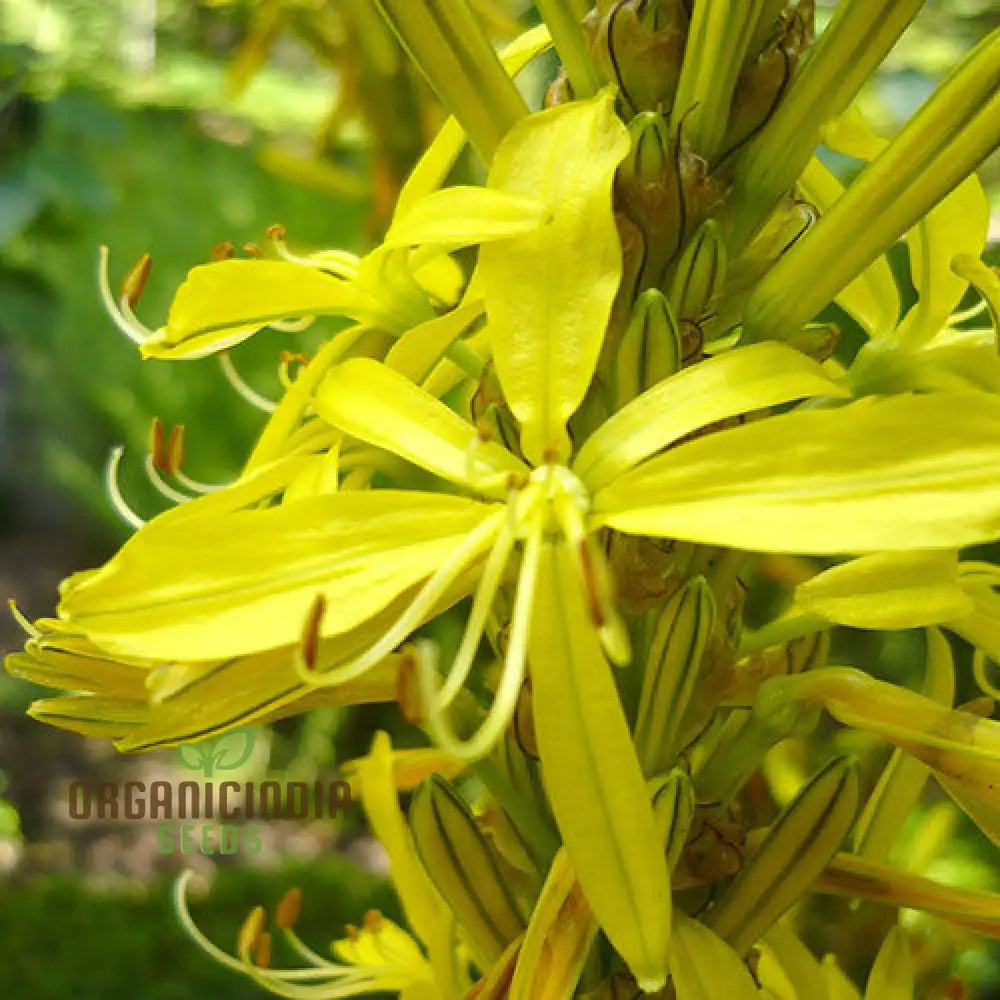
x=225, y=753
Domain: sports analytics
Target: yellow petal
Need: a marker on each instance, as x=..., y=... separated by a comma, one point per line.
x=888, y=590
x=373, y=403
x=872, y=298
x=704, y=967
x=892, y=975
x=739, y=381
x=463, y=216
x=899, y=473
x=549, y=292
x=223, y=303
x=222, y=586
x=958, y=225
x=559, y=935
x=592, y=775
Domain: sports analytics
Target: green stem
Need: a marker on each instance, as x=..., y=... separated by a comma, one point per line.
x=449, y=46
x=782, y=630
x=563, y=21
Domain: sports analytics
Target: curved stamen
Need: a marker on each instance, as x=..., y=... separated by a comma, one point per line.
x=163, y=488
x=125, y=320
x=422, y=605
x=971, y=313
x=346, y=980
x=338, y=262
x=505, y=699
x=980, y=668
x=245, y=390
x=489, y=584
x=129, y=516
x=292, y=325
x=21, y=620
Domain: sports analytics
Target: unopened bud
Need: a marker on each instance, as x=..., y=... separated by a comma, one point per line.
x=700, y=273
x=650, y=349
x=649, y=156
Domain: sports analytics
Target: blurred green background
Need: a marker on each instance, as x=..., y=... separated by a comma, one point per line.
x=171, y=126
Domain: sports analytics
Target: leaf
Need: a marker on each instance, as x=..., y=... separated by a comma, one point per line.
x=221, y=304
x=907, y=472
x=373, y=403
x=592, y=775
x=740, y=381
x=243, y=582
x=549, y=292
x=194, y=758
x=888, y=590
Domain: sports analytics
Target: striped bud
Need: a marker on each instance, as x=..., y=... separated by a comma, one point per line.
x=681, y=633
x=795, y=850
x=650, y=349
x=700, y=273
x=673, y=809
x=464, y=869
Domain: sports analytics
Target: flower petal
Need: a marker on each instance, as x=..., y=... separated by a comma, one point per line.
x=592, y=775
x=242, y=582
x=888, y=590
x=223, y=303
x=373, y=403
x=907, y=472
x=739, y=381
x=549, y=292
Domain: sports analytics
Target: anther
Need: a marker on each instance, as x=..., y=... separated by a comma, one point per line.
x=252, y=250
x=135, y=280
x=408, y=689
x=156, y=449
x=251, y=931
x=262, y=951
x=372, y=921
x=351, y=932
x=222, y=251
x=287, y=912
x=590, y=585
x=275, y=232
x=516, y=481
x=309, y=642
x=173, y=457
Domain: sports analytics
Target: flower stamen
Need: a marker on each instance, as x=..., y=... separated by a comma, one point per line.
x=242, y=388
x=124, y=511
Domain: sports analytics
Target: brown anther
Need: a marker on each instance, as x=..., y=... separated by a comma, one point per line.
x=351, y=932
x=287, y=357
x=483, y=431
x=173, y=457
x=275, y=232
x=516, y=481
x=549, y=456
x=250, y=931
x=156, y=450
x=222, y=251
x=262, y=951
x=135, y=280
x=251, y=250
x=955, y=989
x=408, y=689
x=372, y=921
x=309, y=643
x=591, y=585
x=288, y=910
